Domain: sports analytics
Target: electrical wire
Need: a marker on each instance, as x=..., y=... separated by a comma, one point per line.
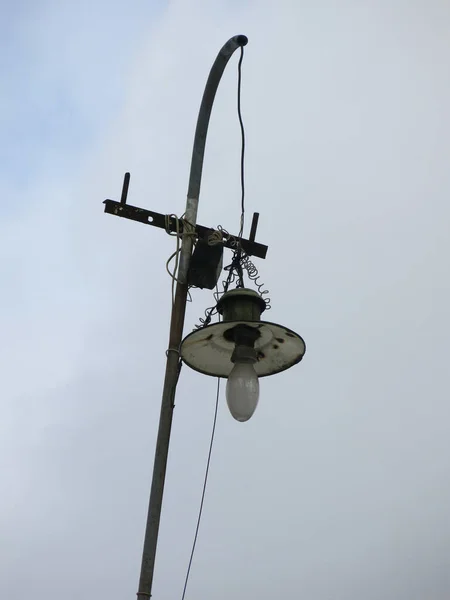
x=235, y=271
x=176, y=254
x=253, y=275
x=205, y=481
x=241, y=123
x=235, y=276
x=188, y=229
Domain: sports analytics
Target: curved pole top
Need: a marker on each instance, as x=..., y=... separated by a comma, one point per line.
x=204, y=114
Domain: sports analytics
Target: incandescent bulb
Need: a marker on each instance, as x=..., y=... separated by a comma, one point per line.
x=242, y=391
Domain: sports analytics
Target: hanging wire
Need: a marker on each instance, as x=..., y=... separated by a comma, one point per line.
x=205, y=481
x=235, y=274
x=241, y=123
x=235, y=268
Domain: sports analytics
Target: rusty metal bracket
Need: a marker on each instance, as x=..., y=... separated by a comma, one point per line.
x=149, y=217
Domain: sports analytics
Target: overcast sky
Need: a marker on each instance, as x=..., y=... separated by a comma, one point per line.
x=338, y=488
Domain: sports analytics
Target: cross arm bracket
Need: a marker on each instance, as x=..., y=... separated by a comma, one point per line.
x=149, y=217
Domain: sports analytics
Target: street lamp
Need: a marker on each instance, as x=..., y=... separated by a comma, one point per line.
x=241, y=347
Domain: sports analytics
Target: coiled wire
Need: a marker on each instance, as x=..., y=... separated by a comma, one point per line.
x=253, y=275
x=240, y=262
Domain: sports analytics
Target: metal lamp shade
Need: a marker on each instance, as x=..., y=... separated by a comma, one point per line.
x=208, y=350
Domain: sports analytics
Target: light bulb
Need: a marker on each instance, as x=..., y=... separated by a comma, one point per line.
x=242, y=391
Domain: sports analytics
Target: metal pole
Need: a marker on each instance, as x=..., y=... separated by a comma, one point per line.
x=177, y=321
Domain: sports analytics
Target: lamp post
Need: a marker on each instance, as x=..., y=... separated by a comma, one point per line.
x=241, y=347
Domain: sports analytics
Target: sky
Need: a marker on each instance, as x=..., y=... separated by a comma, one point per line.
x=338, y=487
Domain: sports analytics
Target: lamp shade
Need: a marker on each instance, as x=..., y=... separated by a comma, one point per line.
x=209, y=350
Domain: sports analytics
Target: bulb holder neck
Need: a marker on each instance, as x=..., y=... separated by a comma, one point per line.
x=244, y=338
x=241, y=304
x=243, y=354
